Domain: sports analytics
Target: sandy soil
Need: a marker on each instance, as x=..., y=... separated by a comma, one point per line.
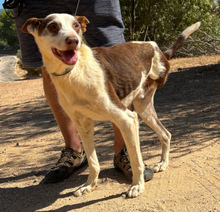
x=188, y=105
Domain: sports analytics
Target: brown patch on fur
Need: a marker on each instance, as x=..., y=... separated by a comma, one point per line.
x=124, y=71
x=44, y=24
x=34, y=22
x=113, y=96
x=54, y=28
x=148, y=83
x=83, y=21
x=40, y=24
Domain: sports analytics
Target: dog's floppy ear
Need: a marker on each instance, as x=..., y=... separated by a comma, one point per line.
x=83, y=21
x=31, y=25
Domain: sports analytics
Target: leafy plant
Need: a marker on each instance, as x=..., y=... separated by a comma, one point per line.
x=8, y=34
x=163, y=20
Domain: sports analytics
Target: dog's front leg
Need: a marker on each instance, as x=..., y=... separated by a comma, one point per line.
x=85, y=128
x=128, y=125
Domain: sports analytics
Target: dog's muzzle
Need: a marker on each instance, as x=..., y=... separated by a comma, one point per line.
x=68, y=57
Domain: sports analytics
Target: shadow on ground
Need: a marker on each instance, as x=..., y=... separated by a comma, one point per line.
x=188, y=105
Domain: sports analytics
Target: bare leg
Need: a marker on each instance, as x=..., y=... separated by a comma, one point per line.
x=119, y=141
x=67, y=127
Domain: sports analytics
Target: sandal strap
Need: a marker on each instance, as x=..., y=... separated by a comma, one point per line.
x=68, y=156
x=122, y=163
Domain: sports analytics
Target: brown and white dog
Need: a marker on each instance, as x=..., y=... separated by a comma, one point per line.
x=100, y=83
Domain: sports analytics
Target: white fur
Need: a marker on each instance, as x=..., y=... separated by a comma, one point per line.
x=157, y=69
x=189, y=30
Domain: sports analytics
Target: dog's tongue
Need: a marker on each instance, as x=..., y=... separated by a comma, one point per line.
x=70, y=57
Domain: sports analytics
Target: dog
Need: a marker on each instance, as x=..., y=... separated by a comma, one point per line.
x=100, y=83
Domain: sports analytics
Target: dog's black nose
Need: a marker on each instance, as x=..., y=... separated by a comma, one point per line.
x=72, y=40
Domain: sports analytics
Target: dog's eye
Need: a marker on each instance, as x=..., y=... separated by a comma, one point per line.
x=53, y=28
x=76, y=25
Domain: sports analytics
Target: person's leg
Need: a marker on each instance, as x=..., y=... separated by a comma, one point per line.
x=72, y=156
x=31, y=58
x=67, y=127
x=119, y=143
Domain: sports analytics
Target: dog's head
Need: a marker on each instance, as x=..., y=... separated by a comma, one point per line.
x=58, y=34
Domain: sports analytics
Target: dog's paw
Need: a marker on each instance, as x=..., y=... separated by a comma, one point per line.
x=161, y=166
x=135, y=190
x=83, y=190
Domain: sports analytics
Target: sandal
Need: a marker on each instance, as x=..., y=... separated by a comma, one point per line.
x=122, y=164
x=69, y=161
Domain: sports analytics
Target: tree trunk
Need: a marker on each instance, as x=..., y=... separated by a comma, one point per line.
x=132, y=27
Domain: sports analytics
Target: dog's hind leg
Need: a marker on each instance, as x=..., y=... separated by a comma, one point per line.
x=127, y=122
x=145, y=108
x=85, y=128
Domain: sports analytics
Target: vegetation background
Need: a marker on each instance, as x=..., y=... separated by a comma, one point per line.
x=162, y=20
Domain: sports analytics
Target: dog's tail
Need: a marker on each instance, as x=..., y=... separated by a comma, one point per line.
x=179, y=42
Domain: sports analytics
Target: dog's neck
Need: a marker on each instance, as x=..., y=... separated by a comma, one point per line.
x=67, y=71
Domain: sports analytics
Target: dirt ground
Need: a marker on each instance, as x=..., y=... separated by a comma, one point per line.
x=188, y=105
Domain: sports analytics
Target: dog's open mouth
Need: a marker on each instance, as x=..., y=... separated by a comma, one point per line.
x=69, y=57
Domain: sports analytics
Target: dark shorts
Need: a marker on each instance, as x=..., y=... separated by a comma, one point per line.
x=105, y=29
